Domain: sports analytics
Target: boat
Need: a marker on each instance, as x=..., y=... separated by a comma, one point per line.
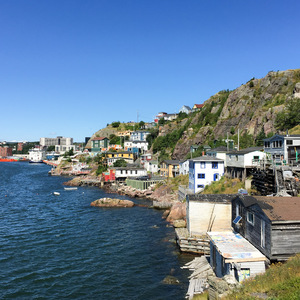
x=36, y=155
x=70, y=188
x=56, y=193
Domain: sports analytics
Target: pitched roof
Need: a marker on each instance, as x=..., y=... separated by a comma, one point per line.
x=207, y=158
x=280, y=208
x=275, y=208
x=245, y=151
x=199, y=105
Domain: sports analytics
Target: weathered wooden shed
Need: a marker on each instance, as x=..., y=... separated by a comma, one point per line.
x=208, y=213
x=271, y=224
x=231, y=254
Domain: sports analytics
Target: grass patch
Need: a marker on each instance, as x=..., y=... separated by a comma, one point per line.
x=224, y=186
x=281, y=281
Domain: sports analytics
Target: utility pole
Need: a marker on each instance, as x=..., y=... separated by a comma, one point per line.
x=227, y=143
x=238, y=140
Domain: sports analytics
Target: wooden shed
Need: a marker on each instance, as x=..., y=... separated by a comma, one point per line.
x=271, y=224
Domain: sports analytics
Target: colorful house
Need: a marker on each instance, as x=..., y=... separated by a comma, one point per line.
x=112, y=157
x=169, y=168
x=100, y=144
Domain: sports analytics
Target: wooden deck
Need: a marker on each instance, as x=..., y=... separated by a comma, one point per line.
x=198, y=280
x=192, y=244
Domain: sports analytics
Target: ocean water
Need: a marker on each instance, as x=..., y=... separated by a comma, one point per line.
x=59, y=247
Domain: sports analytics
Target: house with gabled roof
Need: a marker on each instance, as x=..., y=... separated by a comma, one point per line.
x=283, y=149
x=169, y=168
x=100, y=144
x=185, y=109
x=197, y=107
x=239, y=164
x=203, y=170
x=271, y=224
x=219, y=152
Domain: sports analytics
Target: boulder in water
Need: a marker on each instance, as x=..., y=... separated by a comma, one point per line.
x=112, y=202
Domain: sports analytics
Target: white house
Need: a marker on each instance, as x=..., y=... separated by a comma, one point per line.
x=139, y=135
x=142, y=145
x=219, y=152
x=185, y=109
x=204, y=170
x=240, y=163
x=127, y=172
x=151, y=166
x=184, y=167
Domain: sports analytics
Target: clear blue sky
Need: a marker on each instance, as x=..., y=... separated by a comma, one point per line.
x=69, y=67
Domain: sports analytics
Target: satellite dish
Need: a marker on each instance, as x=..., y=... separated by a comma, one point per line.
x=237, y=220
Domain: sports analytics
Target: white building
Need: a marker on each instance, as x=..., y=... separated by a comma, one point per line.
x=142, y=145
x=240, y=163
x=184, y=167
x=204, y=170
x=36, y=155
x=127, y=172
x=185, y=109
x=56, y=141
x=64, y=148
x=138, y=135
x=151, y=166
x=219, y=152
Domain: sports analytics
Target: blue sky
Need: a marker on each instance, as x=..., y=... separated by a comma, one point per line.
x=69, y=67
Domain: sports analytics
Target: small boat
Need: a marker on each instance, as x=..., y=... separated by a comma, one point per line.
x=56, y=193
x=70, y=188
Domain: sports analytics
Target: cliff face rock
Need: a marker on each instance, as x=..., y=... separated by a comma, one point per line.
x=250, y=108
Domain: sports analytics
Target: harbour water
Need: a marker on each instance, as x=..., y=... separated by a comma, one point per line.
x=59, y=247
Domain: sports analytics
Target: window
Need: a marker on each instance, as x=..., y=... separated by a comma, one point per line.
x=237, y=210
x=201, y=176
x=202, y=165
x=289, y=142
x=215, y=165
x=250, y=218
x=200, y=186
x=263, y=233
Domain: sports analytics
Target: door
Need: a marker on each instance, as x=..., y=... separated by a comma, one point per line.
x=216, y=177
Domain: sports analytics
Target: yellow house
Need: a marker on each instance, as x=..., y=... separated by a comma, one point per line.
x=119, y=155
x=112, y=157
x=169, y=168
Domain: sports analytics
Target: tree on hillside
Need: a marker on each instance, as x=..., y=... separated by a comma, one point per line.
x=120, y=163
x=115, y=124
x=290, y=116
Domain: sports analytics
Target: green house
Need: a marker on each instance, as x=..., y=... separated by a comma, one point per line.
x=100, y=144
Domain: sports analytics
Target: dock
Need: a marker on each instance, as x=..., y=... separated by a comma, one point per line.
x=192, y=244
x=198, y=279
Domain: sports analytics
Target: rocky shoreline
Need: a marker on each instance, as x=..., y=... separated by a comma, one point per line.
x=162, y=197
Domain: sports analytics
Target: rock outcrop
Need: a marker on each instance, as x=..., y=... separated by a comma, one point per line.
x=112, y=202
x=177, y=211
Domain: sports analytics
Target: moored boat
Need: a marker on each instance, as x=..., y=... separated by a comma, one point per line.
x=70, y=188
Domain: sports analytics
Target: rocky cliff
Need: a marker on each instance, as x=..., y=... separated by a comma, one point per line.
x=251, y=109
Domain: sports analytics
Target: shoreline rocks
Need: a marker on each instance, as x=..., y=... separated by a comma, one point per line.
x=112, y=202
